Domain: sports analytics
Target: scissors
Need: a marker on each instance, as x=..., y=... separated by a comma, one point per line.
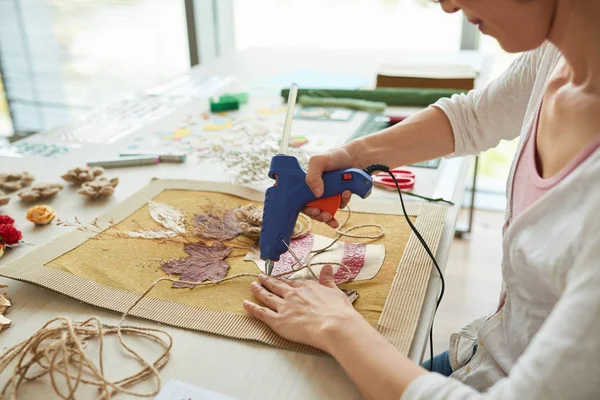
x=405, y=178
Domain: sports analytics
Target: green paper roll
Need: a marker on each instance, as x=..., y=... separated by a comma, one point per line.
x=361, y=105
x=390, y=96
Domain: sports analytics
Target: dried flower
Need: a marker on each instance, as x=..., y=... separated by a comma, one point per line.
x=10, y=235
x=40, y=191
x=3, y=199
x=15, y=181
x=6, y=220
x=41, y=215
x=99, y=187
x=80, y=175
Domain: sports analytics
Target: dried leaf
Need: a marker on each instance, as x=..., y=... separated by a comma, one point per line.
x=4, y=322
x=213, y=227
x=204, y=263
x=151, y=234
x=167, y=216
x=4, y=303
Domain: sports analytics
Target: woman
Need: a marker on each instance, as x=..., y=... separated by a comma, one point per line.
x=543, y=341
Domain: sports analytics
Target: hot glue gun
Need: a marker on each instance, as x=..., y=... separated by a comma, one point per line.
x=290, y=194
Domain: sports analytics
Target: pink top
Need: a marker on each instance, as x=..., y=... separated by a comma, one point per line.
x=528, y=185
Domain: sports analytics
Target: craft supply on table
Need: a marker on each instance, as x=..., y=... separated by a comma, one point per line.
x=24, y=148
x=390, y=96
x=4, y=302
x=404, y=177
x=290, y=194
x=298, y=141
x=77, y=264
x=99, y=187
x=377, y=122
x=9, y=234
x=337, y=114
x=125, y=162
x=15, y=180
x=431, y=76
x=4, y=199
x=176, y=390
x=111, y=123
x=80, y=175
x=41, y=214
x=167, y=157
x=40, y=191
x=228, y=102
x=354, y=104
x=61, y=346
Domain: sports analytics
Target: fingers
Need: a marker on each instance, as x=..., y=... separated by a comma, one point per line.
x=316, y=167
x=345, y=198
x=333, y=223
x=275, y=286
x=267, y=316
x=324, y=216
x=326, y=277
x=312, y=212
x=267, y=298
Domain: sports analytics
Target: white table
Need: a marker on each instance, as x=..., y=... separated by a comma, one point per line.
x=232, y=367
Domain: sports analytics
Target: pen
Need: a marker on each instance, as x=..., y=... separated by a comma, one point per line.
x=124, y=162
x=163, y=157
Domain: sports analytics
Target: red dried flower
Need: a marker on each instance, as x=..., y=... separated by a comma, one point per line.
x=10, y=235
x=6, y=220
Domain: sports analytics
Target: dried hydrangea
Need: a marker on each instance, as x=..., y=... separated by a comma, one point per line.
x=253, y=162
x=99, y=187
x=81, y=175
x=40, y=191
x=15, y=181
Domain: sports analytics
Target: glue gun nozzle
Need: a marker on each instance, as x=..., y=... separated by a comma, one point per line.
x=269, y=264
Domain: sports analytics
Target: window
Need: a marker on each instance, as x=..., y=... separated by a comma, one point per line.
x=5, y=123
x=411, y=25
x=64, y=57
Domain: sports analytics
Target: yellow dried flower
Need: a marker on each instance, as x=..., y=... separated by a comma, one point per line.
x=41, y=215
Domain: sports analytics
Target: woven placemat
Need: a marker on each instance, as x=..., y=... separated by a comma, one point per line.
x=111, y=273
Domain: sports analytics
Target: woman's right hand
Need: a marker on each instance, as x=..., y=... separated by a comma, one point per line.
x=334, y=159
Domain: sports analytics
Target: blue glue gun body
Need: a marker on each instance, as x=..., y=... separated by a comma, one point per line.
x=290, y=194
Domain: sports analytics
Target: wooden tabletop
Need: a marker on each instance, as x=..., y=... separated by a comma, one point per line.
x=236, y=368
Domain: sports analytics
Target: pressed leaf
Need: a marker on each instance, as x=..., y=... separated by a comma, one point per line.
x=204, y=263
x=151, y=234
x=221, y=228
x=167, y=216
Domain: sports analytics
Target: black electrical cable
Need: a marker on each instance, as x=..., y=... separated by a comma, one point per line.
x=384, y=168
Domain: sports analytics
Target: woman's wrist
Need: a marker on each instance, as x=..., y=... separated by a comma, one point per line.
x=338, y=333
x=357, y=149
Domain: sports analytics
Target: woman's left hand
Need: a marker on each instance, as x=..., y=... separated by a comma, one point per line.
x=306, y=312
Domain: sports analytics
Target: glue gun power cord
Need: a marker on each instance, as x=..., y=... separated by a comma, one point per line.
x=384, y=168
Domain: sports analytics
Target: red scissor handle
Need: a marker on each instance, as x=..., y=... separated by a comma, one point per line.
x=405, y=178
